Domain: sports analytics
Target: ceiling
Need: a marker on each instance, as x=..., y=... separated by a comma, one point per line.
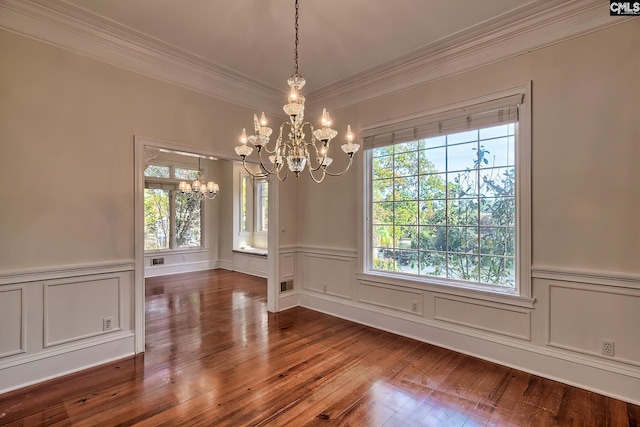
x=338, y=38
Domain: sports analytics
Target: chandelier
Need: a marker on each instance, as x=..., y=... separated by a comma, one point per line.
x=293, y=147
x=199, y=189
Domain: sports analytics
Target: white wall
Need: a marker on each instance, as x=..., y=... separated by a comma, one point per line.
x=586, y=275
x=67, y=213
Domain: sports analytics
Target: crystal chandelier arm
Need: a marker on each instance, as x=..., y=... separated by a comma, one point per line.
x=313, y=177
x=282, y=179
x=275, y=148
x=312, y=143
x=260, y=175
x=320, y=163
x=272, y=170
x=343, y=172
x=278, y=142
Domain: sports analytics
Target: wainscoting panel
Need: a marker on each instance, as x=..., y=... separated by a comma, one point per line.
x=484, y=316
x=582, y=316
x=388, y=297
x=183, y=267
x=256, y=265
x=74, y=310
x=52, y=320
x=12, y=321
x=330, y=275
x=287, y=261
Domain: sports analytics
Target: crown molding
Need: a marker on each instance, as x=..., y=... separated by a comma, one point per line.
x=532, y=27
x=74, y=29
x=539, y=24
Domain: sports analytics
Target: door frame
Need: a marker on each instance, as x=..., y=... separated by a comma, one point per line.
x=143, y=146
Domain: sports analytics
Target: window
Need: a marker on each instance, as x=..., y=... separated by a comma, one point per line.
x=262, y=206
x=246, y=188
x=444, y=197
x=157, y=219
x=172, y=220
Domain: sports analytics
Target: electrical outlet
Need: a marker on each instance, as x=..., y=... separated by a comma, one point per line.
x=107, y=323
x=608, y=348
x=324, y=288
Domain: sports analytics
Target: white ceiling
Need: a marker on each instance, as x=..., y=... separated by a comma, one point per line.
x=338, y=38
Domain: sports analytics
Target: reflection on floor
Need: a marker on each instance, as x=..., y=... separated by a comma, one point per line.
x=216, y=357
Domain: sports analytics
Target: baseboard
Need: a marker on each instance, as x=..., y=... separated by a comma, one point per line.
x=249, y=272
x=542, y=361
x=289, y=300
x=225, y=264
x=34, y=370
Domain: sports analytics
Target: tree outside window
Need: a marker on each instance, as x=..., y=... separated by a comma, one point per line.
x=445, y=207
x=172, y=220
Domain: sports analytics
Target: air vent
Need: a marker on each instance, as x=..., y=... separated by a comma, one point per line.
x=286, y=286
x=157, y=261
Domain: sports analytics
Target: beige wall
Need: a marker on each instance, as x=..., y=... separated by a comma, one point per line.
x=66, y=150
x=585, y=233
x=66, y=161
x=586, y=147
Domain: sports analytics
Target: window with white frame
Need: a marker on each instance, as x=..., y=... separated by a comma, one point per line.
x=446, y=195
x=262, y=206
x=172, y=220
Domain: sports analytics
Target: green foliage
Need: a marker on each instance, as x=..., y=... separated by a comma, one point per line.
x=157, y=171
x=459, y=225
x=187, y=221
x=156, y=219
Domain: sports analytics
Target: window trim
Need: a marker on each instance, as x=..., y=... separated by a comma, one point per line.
x=521, y=295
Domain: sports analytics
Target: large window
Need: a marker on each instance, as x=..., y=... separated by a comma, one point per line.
x=172, y=221
x=444, y=198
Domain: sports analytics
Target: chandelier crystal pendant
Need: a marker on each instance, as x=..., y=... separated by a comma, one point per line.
x=199, y=189
x=291, y=144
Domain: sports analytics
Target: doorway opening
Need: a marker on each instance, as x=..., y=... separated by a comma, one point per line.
x=172, y=236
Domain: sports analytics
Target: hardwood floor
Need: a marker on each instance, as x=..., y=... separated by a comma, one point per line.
x=216, y=357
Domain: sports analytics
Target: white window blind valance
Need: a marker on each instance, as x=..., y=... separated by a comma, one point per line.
x=492, y=113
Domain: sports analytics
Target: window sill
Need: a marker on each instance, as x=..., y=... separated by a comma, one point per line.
x=252, y=251
x=433, y=285
x=175, y=251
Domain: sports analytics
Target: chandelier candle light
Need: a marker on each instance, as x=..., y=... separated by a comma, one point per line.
x=294, y=148
x=199, y=189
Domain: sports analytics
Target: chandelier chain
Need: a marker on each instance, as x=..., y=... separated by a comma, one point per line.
x=295, y=49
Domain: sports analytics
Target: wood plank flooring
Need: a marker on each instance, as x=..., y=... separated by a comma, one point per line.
x=215, y=357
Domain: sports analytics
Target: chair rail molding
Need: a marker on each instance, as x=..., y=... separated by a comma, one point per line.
x=603, y=278
x=8, y=277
